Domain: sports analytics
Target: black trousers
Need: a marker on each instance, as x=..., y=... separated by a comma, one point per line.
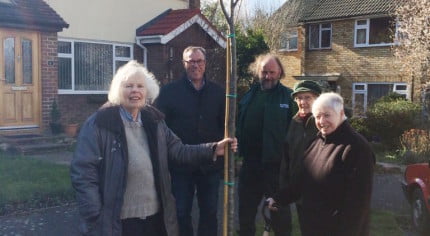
x=152, y=225
x=251, y=193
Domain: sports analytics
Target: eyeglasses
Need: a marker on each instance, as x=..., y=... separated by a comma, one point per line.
x=198, y=62
x=303, y=98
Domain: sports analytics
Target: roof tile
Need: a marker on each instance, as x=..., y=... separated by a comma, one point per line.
x=334, y=9
x=167, y=22
x=33, y=14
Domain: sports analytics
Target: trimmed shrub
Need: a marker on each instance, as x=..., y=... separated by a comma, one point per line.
x=389, y=119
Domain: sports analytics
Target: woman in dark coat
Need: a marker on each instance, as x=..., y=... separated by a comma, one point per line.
x=301, y=132
x=120, y=167
x=336, y=182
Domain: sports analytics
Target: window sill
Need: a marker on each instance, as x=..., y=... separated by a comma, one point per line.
x=288, y=50
x=319, y=49
x=373, y=45
x=62, y=91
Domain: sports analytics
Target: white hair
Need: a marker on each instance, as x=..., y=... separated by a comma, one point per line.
x=129, y=70
x=328, y=100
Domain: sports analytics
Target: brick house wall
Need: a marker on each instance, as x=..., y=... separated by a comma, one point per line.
x=366, y=64
x=293, y=61
x=49, y=75
x=76, y=108
x=167, y=68
x=363, y=64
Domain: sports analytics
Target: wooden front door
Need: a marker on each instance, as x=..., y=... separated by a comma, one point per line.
x=19, y=80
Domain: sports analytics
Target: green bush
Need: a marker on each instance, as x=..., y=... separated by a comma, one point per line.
x=388, y=119
x=392, y=97
x=360, y=125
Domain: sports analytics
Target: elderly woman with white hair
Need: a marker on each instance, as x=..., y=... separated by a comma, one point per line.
x=120, y=167
x=337, y=176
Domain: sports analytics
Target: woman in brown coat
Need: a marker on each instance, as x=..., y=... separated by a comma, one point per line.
x=336, y=184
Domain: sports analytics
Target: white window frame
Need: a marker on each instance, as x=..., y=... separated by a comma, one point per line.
x=72, y=56
x=290, y=34
x=321, y=29
x=367, y=28
x=364, y=91
x=8, y=2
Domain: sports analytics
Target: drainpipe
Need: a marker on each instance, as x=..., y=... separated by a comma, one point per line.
x=145, y=52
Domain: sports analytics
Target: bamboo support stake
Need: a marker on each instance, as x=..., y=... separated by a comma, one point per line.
x=226, y=134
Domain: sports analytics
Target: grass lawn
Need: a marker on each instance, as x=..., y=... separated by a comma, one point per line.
x=383, y=223
x=27, y=183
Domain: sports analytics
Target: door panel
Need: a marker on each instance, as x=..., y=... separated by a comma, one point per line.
x=10, y=112
x=19, y=79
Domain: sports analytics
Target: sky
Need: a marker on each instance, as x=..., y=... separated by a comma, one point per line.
x=251, y=5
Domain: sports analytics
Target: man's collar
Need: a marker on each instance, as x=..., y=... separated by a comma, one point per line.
x=191, y=83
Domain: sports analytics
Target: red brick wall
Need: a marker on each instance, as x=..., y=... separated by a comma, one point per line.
x=49, y=74
x=76, y=108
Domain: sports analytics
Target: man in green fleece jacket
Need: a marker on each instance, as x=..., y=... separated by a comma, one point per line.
x=265, y=112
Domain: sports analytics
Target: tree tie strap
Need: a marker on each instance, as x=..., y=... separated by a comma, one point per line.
x=231, y=95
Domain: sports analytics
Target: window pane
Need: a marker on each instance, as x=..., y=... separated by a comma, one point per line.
x=64, y=47
x=358, y=105
x=64, y=73
x=283, y=42
x=27, y=62
x=293, y=43
x=327, y=25
x=93, y=66
x=121, y=51
x=118, y=64
x=292, y=39
x=401, y=87
x=362, y=22
x=9, y=60
x=361, y=36
x=376, y=91
x=325, y=38
x=314, y=36
x=381, y=31
x=359, y=87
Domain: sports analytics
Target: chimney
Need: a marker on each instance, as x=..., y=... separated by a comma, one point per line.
x=194, y=4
